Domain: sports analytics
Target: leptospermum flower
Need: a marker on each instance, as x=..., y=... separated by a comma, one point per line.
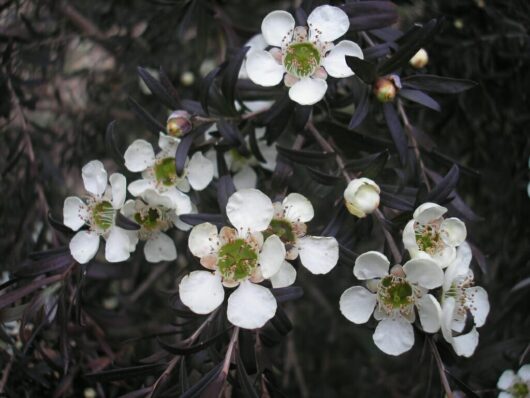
x=98, y=212
x=362, y=197
x=460, y=296
x=159, y=171
x=515, y=385
x=318, y=254
x=429, y=235
x=305, y=55
x=239, y=257
x=392, y=297
x=155, y=215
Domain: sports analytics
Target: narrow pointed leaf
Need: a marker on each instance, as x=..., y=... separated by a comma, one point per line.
x=421, y=98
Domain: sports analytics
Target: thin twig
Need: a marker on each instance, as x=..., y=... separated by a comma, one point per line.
x=230, y=350
x=389, y=238
x=153, y=276
x=441, y=368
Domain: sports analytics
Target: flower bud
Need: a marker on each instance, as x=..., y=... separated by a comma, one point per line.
x=362, y=197
x=420, y=59
x=178, y=123
x=385, y=89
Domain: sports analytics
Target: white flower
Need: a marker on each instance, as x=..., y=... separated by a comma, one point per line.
x=429, y=235
x=242, y=167
x=155, y=215
x=306, y=55
x=515, y=385
x=393, y=296
x=459, y=297
x=159, y=172
x=362, y=197
x=98, y=211
x=318, y=254
x=239, y=257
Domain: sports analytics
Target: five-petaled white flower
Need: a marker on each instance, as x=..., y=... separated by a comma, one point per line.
x=362, y=197
x=394, y=295
x=155, y=215
x=429, y=235
x=242, y=167
x=459, y=297
x=239, y=257
x=318, y=254
x=98, y=211
x=514, y=385
x=159, y=172
x=306, y=55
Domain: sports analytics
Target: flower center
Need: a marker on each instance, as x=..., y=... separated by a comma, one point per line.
x=395, y=293
x=519, y=390
x=102, y=215
x=166, y=171
x=282, y=229
x=301, y=59
x=237, y=260
x=148, y=219
x=428, y=238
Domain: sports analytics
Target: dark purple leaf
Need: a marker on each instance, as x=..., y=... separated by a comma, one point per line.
x=184, y=147
x=56, y=263
x=149, y=121
x=421, y=98
x=253, y=142
x=409, y=46
x=437, y=84
x=187, y=350
x=158, y=90
x=126, y=223
x=244, y=379
x=126, y=373
x=366, y=15
x=305, y=157
x=207, y=84
x=365, y=70
x=171, y=90
x=112, y=147
x=195, y=219
x=204, y=382
x=396, y=131
x=376, y=166
x=14, y=295
x=230, y=76
x=288, y=293
x=394, y=202
x=443, y=188
x=225, y=189
x=373, y=53
x=323, y=177
x=362, y=108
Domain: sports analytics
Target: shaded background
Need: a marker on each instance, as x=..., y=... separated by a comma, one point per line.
x=67, y=69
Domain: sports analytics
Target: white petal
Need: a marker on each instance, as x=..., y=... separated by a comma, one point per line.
x=138, y=187
x=181, y=224
x=357, y=304
x=424, y=272
x=504, y=394
x=182, y=184
x=272, y=256
x=409, y=237
x=284, y=277
x=203, y=240
x=298, y=208
x=249, y=210
x=459, y=267
x=118, y=185
x=394, y=336
x=201, y=291
x=446, y=321
x=155, y=198
x=251, y=306
x=263, y=69
x=277, y=27
x=327, y=23
x=308, y=91
x=443, y=257
x=139, y=156
x=245, y=178
x=256, y=42
x=84, y=246
x=464, y=345
x=429, y=212
x=160, y=248
x=524, y=373
x=94, y=177
x=269, y=152
x=74, y=213
x=430, y=313
x=319, y=254
x=371, y=265
x=168, y=144
x=200, y=171
x=179, y=201
x=506, y=380
x=478, y=303
x=119, y=245
x=453, y=231
x=335, y=61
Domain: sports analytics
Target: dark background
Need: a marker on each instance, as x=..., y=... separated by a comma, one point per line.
x=70, y=67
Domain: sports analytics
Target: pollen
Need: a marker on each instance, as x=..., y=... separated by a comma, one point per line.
x=301, y=59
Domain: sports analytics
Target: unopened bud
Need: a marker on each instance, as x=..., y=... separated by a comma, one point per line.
x=362, y=197
x=385, y=89
x=178, y=124
x=397, y=270
x=420, y=59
